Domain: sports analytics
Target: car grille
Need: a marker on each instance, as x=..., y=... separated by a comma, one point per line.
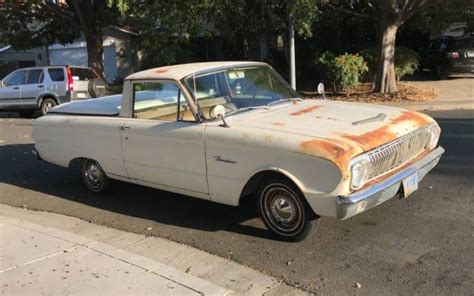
x=398, y=152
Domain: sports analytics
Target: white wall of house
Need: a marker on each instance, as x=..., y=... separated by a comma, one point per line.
x=76, y=54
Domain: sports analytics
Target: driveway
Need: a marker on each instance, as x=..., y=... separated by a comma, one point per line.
x=454, y=88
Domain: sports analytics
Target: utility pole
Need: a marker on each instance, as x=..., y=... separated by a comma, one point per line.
x=291, y=33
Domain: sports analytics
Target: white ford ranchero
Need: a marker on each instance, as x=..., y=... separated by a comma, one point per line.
x=222, y=131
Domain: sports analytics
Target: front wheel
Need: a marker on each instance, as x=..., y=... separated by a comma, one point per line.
x=94, y=176
x=284, y=210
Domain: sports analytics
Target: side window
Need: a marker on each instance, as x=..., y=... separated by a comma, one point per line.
x=56, y=74
x=159, y=101
x=83, y=73
x=16, y=78
x=35, y=76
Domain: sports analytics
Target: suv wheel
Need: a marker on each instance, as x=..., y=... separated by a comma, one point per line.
x=47, y=104
x=284, y=210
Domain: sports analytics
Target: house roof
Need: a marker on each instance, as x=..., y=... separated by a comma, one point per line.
x=178, y=72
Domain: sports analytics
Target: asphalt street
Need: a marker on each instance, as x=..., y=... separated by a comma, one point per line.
x=419, y=245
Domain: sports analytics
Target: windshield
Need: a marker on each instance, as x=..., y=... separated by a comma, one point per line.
x=238, y=88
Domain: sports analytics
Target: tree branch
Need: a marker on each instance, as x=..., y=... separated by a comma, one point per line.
x=348, y=11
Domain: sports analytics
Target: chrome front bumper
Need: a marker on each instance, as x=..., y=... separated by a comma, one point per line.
x=358, y=202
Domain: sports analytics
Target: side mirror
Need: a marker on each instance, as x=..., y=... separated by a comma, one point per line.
x=321, y=90
x=1, y=83
x=218, y=111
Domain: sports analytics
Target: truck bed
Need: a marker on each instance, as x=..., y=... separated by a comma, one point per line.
x=104, y=106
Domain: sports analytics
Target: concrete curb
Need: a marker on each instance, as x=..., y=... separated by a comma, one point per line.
x=195, y=269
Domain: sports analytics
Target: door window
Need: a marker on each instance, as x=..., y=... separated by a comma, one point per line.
x=160, y=101
x=35, y=76
x=16, y=78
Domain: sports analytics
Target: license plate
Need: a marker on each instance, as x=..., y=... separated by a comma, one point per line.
x=410, y=184
x=81, y=95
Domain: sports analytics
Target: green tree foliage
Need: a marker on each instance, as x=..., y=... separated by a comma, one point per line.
x=342, y=71
x=32, y=23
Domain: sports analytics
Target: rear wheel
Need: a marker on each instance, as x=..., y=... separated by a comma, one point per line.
x=94, y=176
x=284, y=210
x=46, y=105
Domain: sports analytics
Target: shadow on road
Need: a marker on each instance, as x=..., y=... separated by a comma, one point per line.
x=25, y=171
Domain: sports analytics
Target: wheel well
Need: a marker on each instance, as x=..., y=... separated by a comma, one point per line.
x=251, y=188
x=76, y=162
x=47, y=96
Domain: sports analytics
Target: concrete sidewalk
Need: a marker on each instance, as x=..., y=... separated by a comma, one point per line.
x=50, y=254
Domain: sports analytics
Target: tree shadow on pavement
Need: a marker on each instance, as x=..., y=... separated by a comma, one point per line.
x=20, y=168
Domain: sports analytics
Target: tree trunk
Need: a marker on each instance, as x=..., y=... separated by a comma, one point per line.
x=385, y=79
x=95, y=51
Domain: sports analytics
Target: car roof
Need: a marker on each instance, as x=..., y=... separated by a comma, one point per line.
x=178, y=72
x=52, y=66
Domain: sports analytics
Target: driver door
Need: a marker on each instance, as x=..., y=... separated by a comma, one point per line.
x=162, y=143
x=10, y=93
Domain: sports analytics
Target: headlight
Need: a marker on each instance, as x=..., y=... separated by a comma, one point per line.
x=359, y=172
x=435, y=131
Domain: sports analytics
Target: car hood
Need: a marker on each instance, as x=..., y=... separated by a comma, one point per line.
x=349, y=124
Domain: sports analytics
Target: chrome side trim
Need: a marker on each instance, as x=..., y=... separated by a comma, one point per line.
x=358, y=202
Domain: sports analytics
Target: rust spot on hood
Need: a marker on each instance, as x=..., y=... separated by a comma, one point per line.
x=306, y=110
x=406, y=122
x=278, y=123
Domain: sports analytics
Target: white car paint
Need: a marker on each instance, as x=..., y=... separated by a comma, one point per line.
x=311, y=142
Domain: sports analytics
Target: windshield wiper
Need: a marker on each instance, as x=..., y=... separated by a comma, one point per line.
x=246, y=109
x=283, y=100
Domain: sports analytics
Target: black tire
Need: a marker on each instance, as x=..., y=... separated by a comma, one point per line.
x=284, y=210
x=26, y=113
x=97, y=88
x=47, y=104
x=94, y=176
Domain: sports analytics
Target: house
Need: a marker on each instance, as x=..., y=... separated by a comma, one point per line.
x=121, y=58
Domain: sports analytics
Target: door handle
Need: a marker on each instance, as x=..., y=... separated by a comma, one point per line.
x=17, y=87
x=40, y=86
x=125, y=127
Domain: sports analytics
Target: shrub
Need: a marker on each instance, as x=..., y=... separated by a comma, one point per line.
x=343, y=71
x=406, y=62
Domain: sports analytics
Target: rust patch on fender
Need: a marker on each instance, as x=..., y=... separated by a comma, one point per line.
x=306, y=110
x=340, y=154
x=386, y=134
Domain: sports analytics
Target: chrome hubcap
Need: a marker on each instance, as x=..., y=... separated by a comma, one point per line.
x=93, y=174
x=282, y=209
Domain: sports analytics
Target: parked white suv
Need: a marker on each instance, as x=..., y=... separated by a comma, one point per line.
x=29, y=89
